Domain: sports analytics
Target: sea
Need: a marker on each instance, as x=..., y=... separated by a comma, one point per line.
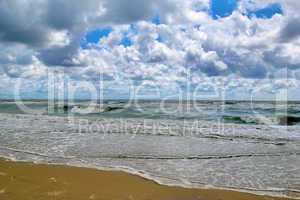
x=250, y=146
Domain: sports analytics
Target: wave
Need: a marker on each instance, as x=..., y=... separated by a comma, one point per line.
x=240, y=120
x=111, y=108
x=34, y=153
x=283, y=120
x=251, y=138
x=288, y=120
x=84, y=110
x=152, y=157
x=200, y=157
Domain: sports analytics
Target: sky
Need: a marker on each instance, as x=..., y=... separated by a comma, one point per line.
x=240, y=49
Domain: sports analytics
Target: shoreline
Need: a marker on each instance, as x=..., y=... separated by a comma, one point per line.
x=42, y=181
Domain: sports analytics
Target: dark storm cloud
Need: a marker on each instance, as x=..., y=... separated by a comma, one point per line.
x=125, y=12
x=20, y=23
x=60, y=56
x=290, y=31
x=31, y=22
x=278, y=59
x=69, y=14
x=33, y=36
x=128, y=11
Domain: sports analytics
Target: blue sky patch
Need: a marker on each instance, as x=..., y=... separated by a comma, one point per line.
x=267, y=12
x=222, y=8
x=93, y=37
x=156, y=20
x=160, y=39
x=126, y=42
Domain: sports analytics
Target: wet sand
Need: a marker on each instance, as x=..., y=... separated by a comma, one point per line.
x=27, y=181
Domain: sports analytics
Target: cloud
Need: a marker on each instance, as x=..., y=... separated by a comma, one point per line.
x=20, y=22
x=125, y=12
x=290, y=30
x=37, y=23
x=40, y=34
x=30, y=22
x=70, y=14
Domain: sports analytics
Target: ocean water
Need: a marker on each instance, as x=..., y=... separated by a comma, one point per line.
x=248, y=146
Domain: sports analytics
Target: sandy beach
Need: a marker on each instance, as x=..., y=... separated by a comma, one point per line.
x=27, y=181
